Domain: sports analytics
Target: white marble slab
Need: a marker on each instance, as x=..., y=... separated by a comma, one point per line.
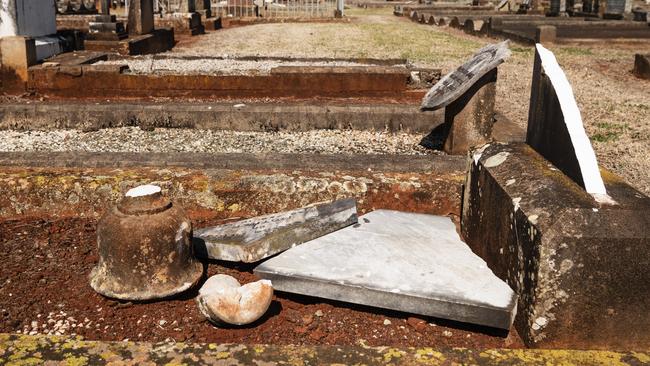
x=403, y=261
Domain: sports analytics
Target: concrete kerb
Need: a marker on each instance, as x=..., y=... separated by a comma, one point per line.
x=578, y=267
x=67, y=350
x=218, y=116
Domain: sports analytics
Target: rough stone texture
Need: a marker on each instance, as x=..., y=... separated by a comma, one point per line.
x=158, y=40
x=642, y=66
x=222, y=299
x=17, y=54
x=299, y=82
x=457, y=83
x=145, y=249
x=28, y=18
x=545, y=34
x=397, y=260
x=227, y=185
x=261, y=237
x=218, y=116
x=140, y=17
x=579, y=268
x=469, y=119
x=555, y=127
x=66, y=350
x=183, y=23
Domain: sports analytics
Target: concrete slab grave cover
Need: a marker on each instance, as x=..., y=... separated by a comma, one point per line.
x=468, y=95
x=580, y=268
x=260, y=237
x=555, y=128
x=403, y=261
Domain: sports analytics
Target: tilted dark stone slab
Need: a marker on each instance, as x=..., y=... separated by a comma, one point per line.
x=260, y=237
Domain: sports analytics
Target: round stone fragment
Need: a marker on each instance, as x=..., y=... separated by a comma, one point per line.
x=223, y=300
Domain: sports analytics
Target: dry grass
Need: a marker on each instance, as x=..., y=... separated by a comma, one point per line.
x=615, y=105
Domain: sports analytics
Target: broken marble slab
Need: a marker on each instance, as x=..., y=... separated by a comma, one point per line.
x=260, y=237
x=409, y=262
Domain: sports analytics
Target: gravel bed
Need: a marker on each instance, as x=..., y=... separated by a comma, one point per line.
x=213, y=66
x=133, y=139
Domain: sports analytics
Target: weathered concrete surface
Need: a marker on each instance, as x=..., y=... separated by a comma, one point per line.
x=555, y=127
x=301, y=82
x=17, y=54
x=642, y=66
x=261, y=237
x=453, y=85
x=140, y=17
x=145, y=249
x=158, y=40
x=569, y=30
x=23, y=349
x=545, y=34
x=218, y=116
x=401, y=261
x=580, y=268
x=227, y=185
x=183, y=23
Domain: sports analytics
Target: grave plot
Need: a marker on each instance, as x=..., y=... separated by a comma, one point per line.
x=313, y=230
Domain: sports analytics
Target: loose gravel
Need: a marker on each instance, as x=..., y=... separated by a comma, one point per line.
x=133, y=139
x=213, y=66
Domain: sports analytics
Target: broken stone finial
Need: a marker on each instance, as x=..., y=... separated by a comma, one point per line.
x=223, y=300
x=145, y=248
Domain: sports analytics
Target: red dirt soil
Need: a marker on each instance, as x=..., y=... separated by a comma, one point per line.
x=44, y=275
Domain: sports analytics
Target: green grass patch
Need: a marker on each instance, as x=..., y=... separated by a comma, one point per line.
x=577, y=51
x=608, y=132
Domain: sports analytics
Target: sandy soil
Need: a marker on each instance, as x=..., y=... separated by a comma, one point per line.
x=615, y=105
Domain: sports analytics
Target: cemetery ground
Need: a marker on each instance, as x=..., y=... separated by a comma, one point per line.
x=614, y=104
x=47, y=259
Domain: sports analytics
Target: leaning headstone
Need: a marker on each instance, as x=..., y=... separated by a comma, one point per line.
x=555, y=128
x=261, y=237
x=224, y=301
x=402, y=261
x=453, y=85
x=468, y=95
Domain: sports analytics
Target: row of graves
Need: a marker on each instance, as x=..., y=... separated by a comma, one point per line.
x=508, y=235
